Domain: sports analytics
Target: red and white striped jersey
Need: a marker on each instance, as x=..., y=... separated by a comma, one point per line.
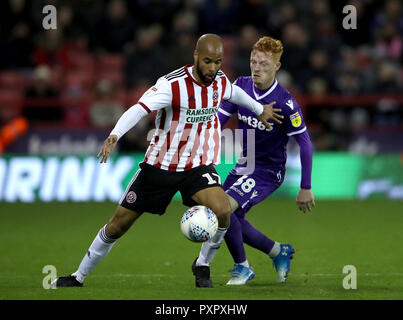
x=187, y=130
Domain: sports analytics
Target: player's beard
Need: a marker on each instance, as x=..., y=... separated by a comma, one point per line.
x=202, y=77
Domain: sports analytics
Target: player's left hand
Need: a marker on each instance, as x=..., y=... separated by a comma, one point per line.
x=305, y=200
x=269, y=113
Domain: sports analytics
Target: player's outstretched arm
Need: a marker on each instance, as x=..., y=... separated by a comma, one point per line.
x=108, y=146
x=305, y=200
x=263, y=113
x=127, y=121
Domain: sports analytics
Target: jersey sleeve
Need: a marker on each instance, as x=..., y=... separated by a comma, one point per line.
x=157, y=97
x=306, y=151
x=293, y=118
x=240, y=97
x=227, y=109
x=128, y=120
x=228, y=89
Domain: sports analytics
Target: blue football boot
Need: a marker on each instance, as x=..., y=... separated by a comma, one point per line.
x=282, y=261
x=241, y=274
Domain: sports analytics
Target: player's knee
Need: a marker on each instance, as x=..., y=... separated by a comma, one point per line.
x=223, y=213
x=222, y=209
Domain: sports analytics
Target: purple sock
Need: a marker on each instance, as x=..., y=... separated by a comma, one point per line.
x=234, y=241
x=253, y=237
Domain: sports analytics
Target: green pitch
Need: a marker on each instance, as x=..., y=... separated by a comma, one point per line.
x=152, y=261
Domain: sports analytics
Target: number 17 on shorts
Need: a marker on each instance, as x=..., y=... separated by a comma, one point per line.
x=212, y=178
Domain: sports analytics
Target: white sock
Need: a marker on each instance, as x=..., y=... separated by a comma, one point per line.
x=98, y=250
x=210, y=247
x=275, y=250
x=245, y=264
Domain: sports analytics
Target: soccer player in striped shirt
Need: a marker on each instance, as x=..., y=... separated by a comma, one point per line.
x=246, y=187
x=181, y=155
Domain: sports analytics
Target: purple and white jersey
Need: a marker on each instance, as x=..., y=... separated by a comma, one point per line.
x=270, y=144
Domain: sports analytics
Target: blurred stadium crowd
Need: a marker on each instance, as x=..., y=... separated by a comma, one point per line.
x=104, y=54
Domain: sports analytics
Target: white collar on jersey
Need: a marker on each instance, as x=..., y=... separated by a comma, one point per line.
x=273, y=86
x=190, y=70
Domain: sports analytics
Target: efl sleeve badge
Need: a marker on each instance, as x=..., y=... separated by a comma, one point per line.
x=295, y=119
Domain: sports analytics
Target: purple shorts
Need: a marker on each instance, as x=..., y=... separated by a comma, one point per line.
x=248, y=190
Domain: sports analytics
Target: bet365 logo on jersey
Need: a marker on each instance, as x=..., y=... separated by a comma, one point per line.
x=254, y=123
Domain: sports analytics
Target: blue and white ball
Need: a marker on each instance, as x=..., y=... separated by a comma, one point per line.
x=199, y=224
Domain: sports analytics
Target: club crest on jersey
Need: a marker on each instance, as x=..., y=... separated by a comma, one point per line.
x=131, y=197
x=295, y=119
x=215, y=96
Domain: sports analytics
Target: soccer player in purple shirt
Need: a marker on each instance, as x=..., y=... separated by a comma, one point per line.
x=248, y=185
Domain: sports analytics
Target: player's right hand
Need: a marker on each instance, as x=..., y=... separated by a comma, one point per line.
x=269, y=113
x=109, y=145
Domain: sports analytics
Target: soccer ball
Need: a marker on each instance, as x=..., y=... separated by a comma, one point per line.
x=199, y=224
